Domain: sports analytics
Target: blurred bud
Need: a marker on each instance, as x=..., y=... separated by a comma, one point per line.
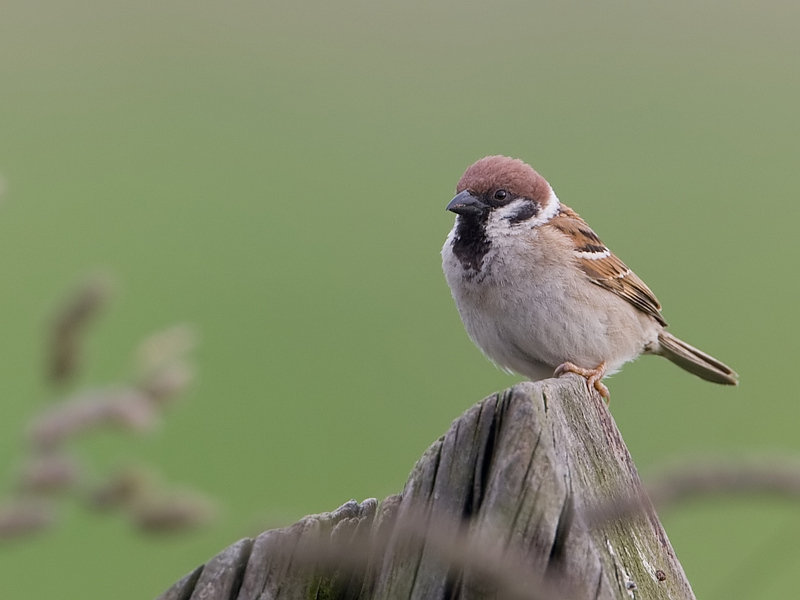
x=66, y=419
x=163, y=348
x=124, y=407
x=25, y=516
x=50, y=473
x=169, y=382
x=122, y=489
x=179, y=512
x=132, y=410
x=69, y=326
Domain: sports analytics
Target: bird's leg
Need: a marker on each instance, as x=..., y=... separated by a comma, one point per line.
x=594, y=377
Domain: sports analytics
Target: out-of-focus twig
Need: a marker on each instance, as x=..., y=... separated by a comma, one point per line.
x=163, y=373
x=482, y=556
x=151, y=505
x=172, y=512
x=124, y=407
x=23, y=516
x=69, y=325
x=163, y=348
x=49, y=473
x=169, y=382
x=122, y=489
x=779, y=478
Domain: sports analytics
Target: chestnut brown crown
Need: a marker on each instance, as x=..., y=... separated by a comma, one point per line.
x=501, y=172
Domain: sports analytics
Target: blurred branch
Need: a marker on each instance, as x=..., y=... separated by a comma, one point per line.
x=69, y=327
x=778, y=478
x=774, y=478
x=502, y=567
x=49, y=474
x=174, y=511
x=127, y=408
x=163, y=372
x=24, y=516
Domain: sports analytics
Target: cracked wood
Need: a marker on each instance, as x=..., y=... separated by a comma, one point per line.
x=496, y=508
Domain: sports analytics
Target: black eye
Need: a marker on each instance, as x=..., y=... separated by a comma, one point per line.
x=500, y=195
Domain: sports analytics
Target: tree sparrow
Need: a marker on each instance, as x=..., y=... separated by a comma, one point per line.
x=540, y=294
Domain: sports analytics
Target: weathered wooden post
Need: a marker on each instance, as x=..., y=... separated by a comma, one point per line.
x=500, y=507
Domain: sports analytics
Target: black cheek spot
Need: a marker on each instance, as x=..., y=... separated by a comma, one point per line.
x=526, y=211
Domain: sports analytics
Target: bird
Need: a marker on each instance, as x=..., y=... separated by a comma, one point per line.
x=538, y=291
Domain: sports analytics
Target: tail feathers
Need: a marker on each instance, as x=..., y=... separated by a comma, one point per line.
x=693, y=360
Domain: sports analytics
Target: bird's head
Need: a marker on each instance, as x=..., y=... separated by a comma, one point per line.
x=504, y=191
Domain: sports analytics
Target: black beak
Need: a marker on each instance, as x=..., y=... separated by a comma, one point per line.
x=466, y=204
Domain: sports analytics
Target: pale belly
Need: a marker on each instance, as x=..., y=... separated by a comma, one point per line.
x=534, y=327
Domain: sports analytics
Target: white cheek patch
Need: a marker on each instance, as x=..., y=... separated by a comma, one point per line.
x=548, y=212
x=501, y=219
x=499, y=222
x=511, y=210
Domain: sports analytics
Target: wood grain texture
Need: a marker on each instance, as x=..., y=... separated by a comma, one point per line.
x=500, y=507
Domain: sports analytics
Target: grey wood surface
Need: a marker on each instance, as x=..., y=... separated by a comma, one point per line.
x=504, y=505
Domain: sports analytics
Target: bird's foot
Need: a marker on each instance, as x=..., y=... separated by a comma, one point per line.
x=594, y=377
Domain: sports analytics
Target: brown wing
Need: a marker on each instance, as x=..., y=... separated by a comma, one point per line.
x=602, y=267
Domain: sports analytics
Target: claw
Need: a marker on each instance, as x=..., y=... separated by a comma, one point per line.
x=594, y=377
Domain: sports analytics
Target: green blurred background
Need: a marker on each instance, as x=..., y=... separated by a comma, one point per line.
x=276, y=173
